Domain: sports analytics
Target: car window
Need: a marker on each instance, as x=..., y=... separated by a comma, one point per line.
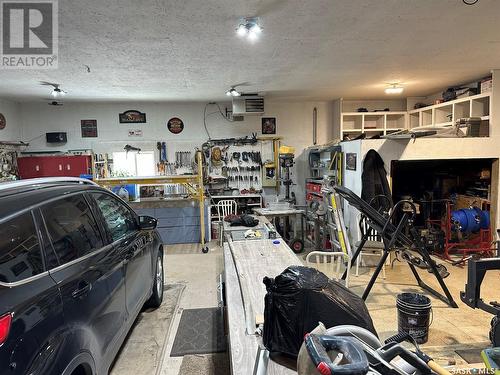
x=20, y=254
x=118, y=217
x=72, y=229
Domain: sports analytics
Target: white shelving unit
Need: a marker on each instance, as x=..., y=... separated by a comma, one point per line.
x=447, y=113
x=372, y=123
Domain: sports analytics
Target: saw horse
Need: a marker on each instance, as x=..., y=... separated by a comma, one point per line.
x=402, y=235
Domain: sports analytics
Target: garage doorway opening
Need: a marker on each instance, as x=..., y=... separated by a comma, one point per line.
x=454, y=200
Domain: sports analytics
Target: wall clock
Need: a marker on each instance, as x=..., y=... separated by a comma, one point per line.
x=3, y=122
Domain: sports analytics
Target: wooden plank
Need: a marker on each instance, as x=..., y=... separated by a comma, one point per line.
x=242, y=347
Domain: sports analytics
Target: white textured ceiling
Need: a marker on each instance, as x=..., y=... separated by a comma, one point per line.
x=159, y=50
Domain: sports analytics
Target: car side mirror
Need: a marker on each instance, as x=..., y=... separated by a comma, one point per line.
x=147, y=223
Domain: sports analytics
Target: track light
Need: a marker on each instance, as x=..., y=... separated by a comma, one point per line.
x=394, y=89
x=250, y=28
x=242, y=30
x=256, y=29
x=232, y=92
x=252, y=36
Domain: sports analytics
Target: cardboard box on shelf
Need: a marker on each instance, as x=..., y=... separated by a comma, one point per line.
x=467, y=201
x=486, y=85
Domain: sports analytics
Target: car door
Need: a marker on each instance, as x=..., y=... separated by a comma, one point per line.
x=89, y=274
x=122, y=224
x=31, y=299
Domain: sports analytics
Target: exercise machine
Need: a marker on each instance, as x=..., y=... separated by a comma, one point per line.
x=476, y=270
x=402, y=235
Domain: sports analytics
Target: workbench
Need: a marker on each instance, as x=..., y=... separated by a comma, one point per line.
x=228, y=230
x=245, y=265
x=192, y=183
x=274, y=215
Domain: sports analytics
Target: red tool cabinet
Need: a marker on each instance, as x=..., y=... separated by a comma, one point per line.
x=54, y=166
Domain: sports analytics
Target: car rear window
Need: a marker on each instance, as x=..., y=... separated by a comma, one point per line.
x=20, y=254
x=72, y=229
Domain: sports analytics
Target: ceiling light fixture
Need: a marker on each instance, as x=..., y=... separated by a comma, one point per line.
x=58, y=92
x=394, y=89
x=233, y=92
x=250, y=28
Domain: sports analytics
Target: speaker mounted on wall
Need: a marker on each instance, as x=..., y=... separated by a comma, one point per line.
x=56, y=137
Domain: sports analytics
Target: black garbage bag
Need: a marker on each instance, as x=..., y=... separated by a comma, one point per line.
x=301, y=297
x=245, y=220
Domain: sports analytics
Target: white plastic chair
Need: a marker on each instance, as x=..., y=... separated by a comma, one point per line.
x=225, y=207
x=335, y=259
x=374, y=246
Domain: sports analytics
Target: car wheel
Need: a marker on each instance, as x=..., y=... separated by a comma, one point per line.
x=157, y=296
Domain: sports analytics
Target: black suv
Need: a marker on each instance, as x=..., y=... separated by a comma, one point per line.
x=76, y=267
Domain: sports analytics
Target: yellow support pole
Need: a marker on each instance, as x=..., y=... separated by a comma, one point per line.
x=277, y=167
x=201, y=200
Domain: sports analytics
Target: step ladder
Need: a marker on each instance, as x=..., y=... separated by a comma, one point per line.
x=336, y=225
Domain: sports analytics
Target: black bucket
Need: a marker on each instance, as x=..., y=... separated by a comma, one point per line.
x=414, y=313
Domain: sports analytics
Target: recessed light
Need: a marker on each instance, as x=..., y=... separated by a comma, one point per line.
x=394, y=89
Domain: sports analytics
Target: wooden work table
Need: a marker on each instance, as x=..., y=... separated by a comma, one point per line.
x=246, y=263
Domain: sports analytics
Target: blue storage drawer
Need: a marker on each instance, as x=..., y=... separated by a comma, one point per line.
x=180, y=235
x=171, y=212
x=178, y=224
x=165, y=222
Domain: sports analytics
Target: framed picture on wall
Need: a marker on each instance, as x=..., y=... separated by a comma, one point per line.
x=132, y=117
x=268, y=125
x=89, y=128
x=350, y=161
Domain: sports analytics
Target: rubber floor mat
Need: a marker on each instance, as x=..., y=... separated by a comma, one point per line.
x=201, y=331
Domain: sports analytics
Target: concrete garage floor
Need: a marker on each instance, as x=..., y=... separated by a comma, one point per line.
x=199, y=272
x=452, y=329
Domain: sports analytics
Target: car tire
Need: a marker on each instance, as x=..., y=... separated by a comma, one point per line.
x=158, y=285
